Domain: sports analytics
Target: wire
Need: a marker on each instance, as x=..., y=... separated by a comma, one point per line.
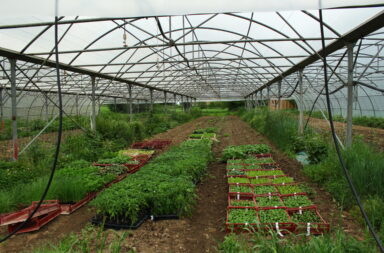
x=342, y=162
x=58, y=142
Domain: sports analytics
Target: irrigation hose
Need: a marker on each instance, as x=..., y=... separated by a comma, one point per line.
x=342, y=162
x=58, y=142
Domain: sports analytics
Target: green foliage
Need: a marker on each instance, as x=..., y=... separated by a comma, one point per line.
x=264, y=189
x=256, y=173
x=87, y=147
x=239, y=152
x=306, y=216
x=297, y=201
x=273, y=216
x=240, y=180
x=249, y=203
x=289, y=189
x=339, y=242
x=242, y=216
x=268, y=201
x=240, y=188
x=164, y=186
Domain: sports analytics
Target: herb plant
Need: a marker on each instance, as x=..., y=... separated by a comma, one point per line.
x=273, y=216
x=289, y=189
x=241, y=180
x=242, y=216
x=297, y=201
x=306, y=216
x=269, y=201
x=260, y=180
x=264, y=189
x=240, y=188
x=249, y=203
x=280, y=180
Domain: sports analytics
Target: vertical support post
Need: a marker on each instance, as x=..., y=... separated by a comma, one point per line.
x=151, y=98
x=46, y=105
x=279, y=96
x=130, y=103
x=93, y=111
x=268, y=95
x=14, y=111
x=1, y=110
x=301, y=103
x=165, y=101
x=175, y=101
x=348, y=139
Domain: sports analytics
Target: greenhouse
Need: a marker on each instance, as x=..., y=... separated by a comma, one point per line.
x=183, y=126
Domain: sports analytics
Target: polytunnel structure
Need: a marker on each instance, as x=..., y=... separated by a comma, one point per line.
x=135, y=69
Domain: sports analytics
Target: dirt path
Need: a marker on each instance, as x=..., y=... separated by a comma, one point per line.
x=370, y=135
x=75, y=222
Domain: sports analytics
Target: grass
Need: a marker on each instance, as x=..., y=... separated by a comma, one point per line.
x=339, y=242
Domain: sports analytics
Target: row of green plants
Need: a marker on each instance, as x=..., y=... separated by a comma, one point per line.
x=71, y=184
x=33, y=166
x=364, y=162
x=164, y=186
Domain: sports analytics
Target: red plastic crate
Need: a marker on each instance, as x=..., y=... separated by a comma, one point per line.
x=264, y=194
x=279, y=227
x=269, y=207
x=48, y=206
x=70, y=208
x=315, y=228
x=298, y=194
x=234, y=198
x=240, y=227
x=241, y=195
x=35, y=223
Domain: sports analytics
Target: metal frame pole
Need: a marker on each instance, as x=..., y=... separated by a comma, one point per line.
x=348, y=137
x=46, y=106
x=279, y=96
x=130, y=103
x=14, y=110
x=1, y=110
x=165, y=101
x=182, y=103
x=301, y=103
x=93, y=111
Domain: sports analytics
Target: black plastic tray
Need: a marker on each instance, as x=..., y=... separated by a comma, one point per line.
x=111, y=224
x=164, y=217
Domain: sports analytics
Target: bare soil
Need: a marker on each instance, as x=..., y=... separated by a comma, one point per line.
x=205, y=228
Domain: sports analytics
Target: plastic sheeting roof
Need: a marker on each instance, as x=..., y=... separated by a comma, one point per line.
x=224, y=56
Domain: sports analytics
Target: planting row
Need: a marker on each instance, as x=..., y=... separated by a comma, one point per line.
x=262, y=197
x=165, y=186
x=204, y=133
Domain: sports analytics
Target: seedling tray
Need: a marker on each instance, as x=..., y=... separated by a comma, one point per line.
x=268, y=166
x=266, y=207
x=109, y=223
x=241, y=227
x=304, y=207
x=284, y=193
x=48, y=206
x=279, y=227
x=264, y=193
x=70, y=208
x=35, y=223
x=311, y=228
x=265, y=155
x=232, y=199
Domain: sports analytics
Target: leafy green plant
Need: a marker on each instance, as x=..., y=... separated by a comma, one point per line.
x=249, y=203
x=242, y=216
x=280, y=180
x=297, y=201
x=239, y=152
x=264, y=189
x=256, y=173
x=273, y=216
x=240, y=180
x=260, y=180
x=289, y=189
x=240, y=188
x=269, y=201
x=305, y=216
x=234, y=172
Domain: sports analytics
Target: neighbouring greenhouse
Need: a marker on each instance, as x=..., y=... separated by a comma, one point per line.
x=190, y=126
